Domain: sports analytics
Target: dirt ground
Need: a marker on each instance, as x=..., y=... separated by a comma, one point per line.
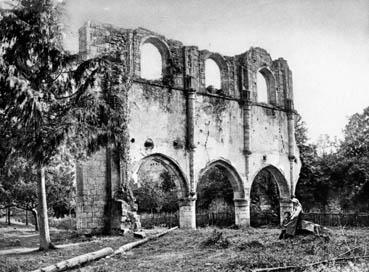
x=206, y=250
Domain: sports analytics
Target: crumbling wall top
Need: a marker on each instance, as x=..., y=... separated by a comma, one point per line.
x=238, y=74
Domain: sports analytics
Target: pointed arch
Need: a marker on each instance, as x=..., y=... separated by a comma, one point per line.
x=171, y=165
x=283, y=187
x=230, y=172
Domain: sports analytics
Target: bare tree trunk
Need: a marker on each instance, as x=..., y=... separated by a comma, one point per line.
x=45, y=242
x=35, y=216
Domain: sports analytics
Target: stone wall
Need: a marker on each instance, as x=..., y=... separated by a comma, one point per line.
x=191, y=128
x=91, y=194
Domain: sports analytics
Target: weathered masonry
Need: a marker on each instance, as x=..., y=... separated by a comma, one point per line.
x=190, y=128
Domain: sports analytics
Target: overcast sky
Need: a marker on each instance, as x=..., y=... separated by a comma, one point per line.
x=326, y=42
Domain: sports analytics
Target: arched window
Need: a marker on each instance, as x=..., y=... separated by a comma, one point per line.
x=261, y=88
x=212, y=74
x=151, y=62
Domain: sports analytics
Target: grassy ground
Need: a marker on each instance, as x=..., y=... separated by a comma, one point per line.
x=204, y=250
x=236, y=250
x=19, y=235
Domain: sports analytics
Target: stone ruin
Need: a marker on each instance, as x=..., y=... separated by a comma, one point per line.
x=191, y=128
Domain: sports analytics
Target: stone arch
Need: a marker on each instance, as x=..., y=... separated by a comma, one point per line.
x=239, y=204
x=282, y=186
x=163, y=49
x=170, y=164
x=223, y=67
x=279, y=177
x=230, y=172
x=270, y=83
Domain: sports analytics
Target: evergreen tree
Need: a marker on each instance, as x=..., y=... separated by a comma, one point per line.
x=49, y=97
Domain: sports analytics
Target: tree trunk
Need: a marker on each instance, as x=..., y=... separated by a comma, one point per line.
x=8, y=215
x=77, y=261
x=35, y=216
x=26, y=217
x=45, y=242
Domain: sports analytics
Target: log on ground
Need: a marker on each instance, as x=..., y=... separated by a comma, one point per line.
x=129, y=246
x=76, y=261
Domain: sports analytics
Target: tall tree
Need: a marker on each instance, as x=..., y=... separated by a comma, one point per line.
x=334, y=171
x=312, y=186
x=355, y=156
x=49, y=97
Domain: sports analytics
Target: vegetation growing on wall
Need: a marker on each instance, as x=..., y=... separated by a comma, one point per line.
x=162, y=96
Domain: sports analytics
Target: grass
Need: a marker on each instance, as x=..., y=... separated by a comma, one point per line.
x=207, y=249
x=234, y=250
x=19, y=235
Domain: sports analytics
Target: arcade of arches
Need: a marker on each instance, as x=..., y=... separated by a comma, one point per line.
x=175, y=125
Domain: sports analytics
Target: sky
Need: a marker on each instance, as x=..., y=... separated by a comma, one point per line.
x=326, y=42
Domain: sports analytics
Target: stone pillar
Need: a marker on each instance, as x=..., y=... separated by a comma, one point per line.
x=190, y=136
x=242, y=212
x=246, y=131
x=187, y=213
x=191, y=76
x=291, y=142
x=285, y=205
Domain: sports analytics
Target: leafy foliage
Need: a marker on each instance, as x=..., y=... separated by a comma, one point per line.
x=48, y=96
x=213, y=185
x=264, y=200
x=18, y=183
x=333, y=170
x=156, y=195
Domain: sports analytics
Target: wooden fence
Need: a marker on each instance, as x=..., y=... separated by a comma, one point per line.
x=224, y=219
x=220, y=219
x=203, y=218
x=339, y=219
x=148, y=220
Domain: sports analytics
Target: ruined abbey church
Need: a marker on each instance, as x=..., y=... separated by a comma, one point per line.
x=190, y=129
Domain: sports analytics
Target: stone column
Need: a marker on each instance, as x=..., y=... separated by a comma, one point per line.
x=291, y=142
x=285, y=205
x=242, y=212
x=191, y=85
x=187, y=213
x=190, y=136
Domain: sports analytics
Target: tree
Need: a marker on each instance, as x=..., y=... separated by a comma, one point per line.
x=213, y=185
x=339, y=170
x=48, y=97
x=313, y=183
x=354, y=155
x=170, y=190
x=60, y=185
x=18, y=183
x=156, y=195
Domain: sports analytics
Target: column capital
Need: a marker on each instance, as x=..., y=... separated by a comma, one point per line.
x=191, y=91
x=240, y=202
x=187, y=201
x=284, y=200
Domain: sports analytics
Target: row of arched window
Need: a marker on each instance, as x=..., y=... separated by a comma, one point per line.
x=152, y=69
